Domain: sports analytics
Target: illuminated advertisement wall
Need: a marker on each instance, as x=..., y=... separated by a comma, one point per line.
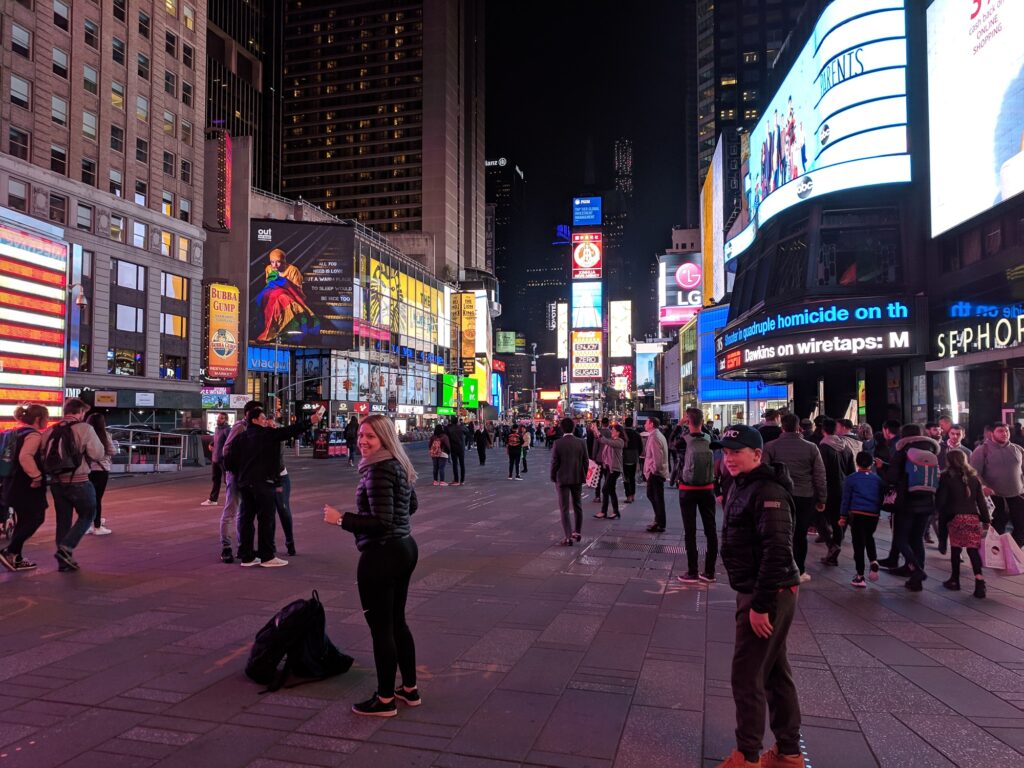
x=839, y=120
x=645, y=365
x=710, y=388
x=622, y=377
x=975, y=75
x=464, y=322
x=223, y=308
x=562, y=329
x=586, y=305
x=33, y=305
x=388, y=301
x=680, y=280
x=620, y=328
x=301, y=283
x=711, y=226
x=586, y=211
x=586, y=355
x=505, y=344
x=586, y=255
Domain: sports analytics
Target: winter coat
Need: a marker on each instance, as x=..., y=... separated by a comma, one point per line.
x=839, y=465
x=953, y=499
x=1000, y=467
x=220, y=436
x=862, y=492
x=945, y=448
x=803, y=461
x=896, y=473
x=385, y=500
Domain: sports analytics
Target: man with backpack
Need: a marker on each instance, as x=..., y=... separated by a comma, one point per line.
x=68, y=449
x=696, y=482
x=914, y=471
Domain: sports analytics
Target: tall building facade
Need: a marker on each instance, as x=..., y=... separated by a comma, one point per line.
x=383, y=119
x=101, y=123
x=506, y=192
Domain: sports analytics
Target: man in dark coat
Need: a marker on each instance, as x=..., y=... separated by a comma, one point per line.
x=569, y=464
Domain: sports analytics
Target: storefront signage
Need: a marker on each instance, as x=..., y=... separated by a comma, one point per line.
x=498, y=366
x=410, y=410
x=237, y=402
x=105, y=399
x=817, y=316
x=980, y=336
x=587, y=250
x=586, y=355
x=145, y=399
x=262, y=359
x=222, y=338
x=378, y=408
x=361, y=407
x=215, y=397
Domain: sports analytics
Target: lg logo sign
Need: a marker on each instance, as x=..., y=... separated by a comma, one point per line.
x=688, y=276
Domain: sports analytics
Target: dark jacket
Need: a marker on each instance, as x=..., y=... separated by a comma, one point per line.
x=803, y=461
x=757, y=535
x=769, y=432
x=953, y=499
x=945, y=448
x=457, y=438
x=351, y=431
x=481, y=439
x=839, y=465
x=220, y=436
x=634, y=447
x=862, y=492
x=569, y=461
x=385, y=500
x=256, y=452
x=896, y=474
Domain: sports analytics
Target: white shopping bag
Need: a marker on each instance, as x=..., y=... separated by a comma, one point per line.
x=1014, y=558
x=992, y=551
x=593, y=474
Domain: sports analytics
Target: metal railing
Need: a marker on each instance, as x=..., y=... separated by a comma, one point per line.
x=148, y=450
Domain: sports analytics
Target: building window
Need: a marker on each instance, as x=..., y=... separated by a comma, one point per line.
x=89, y=125
x=142, y=108
x=89, y=171
x=171, y=44
x=139, y=234
x=58, y=208
x=173, y=367
x=750, y=95
x=750, y=114
x=128, y=275
x=142, y=150
x=92, y=34
x=21, y=92
x=173, y=286
x=120, y=11
x=117, y=228
x=17, y=142
x=83, y=217
x=166, y=243
x=188, y=54
x=170, y=83
x=169, y=123
x=186, y=94
x=58, y=159
x=173, y=325
x=58, y=110
x=751, y=57
x=17, y=195
x=117, y=138
x=189, y=16
x=171, y=6
x=183, y=247
x=144, y=24
x=116, y=183
x=117, y=51
x=185, y=210
x=727, y=80
x=124, y=362
x=117, y=94
x=186, y=171
x=90, y=79
x=21, y=41
x=60, y=63
x=167, y=207
x=141, y=193
x=61, y=15
x=186, y=133
x=143, y=66
x=129, y=318
x=169, y=163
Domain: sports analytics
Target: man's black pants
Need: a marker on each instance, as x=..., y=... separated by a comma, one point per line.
x=259, y=503
x=656, y=495
x=690, y=502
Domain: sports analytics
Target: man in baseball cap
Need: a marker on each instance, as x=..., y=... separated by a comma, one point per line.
x=757, y=550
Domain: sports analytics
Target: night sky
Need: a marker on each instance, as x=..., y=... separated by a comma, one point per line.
x=562, y=74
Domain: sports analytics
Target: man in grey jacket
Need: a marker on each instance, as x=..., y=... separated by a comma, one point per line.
x=569, y=464
x=807, y=471
x=1000, y=465
x=656, y=472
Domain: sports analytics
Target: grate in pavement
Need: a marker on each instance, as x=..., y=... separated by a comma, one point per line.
x=636, y=546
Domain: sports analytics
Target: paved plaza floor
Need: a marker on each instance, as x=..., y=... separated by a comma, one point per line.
x=529, y=654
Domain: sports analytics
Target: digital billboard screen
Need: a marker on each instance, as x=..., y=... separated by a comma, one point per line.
x=975, y=71
x=562, y=329
x=680, y=285
x=505, y=344
x=586, y=211
x=838, y=121
x=646, y=354
x=586, y=355
x=586, y=255
x=620, y=328
x=300, y=283
x=586, y=305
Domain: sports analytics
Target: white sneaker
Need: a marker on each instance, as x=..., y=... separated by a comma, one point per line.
x=277, y=562
x=101, y=531
x=251, y=563
x=209, y=503
x=804, y=578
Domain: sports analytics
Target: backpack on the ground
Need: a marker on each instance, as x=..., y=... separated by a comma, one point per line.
x=698, y=462
x=61, y=454
x=298, y=636
x=922, y=470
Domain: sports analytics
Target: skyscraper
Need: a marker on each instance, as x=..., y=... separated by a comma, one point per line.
x=383, y=120
x=506, y=191
x=623, y=163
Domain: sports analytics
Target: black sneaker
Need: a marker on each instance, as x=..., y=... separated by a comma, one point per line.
x=410, y=697
x=858, y=581
x=21, y=564
x=225, y=555
x=65, y=559
x=374, y=707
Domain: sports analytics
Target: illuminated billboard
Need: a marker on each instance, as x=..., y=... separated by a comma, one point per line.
x=505, y=343
x=646, y=354
x=223, y=307
x=464, y=324
x=622, y=378
x=975, y=73
x=711, y=227
x=586, y=305
x=586, y=211
x=620, y=328
x=586, y=355
x=33, y=306
x=562, y=329
x=680, y=283
x=300, y=283
x=839, y=120
x=586, y=255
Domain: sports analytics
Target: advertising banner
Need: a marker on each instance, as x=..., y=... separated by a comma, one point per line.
x=646, y=354
x=586, y=305
x=586, y=212
x=711, y=225
x=223, y=312
x=300, y=283
x=520, y=342
x=622, y=378
x=975, y=69
x=562, y=330
x=464, y=323
x=680, y=284
x=505, y=343
x=586, y=355
x=620, y=328
x=587, y=251
x=839, y=120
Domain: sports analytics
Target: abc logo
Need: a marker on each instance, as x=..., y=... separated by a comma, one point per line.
x=804, y=187
x=826, y=132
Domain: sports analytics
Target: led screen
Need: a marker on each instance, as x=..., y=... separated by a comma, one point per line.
x=586, y=355
x=506, y=343
x=586, y=211
x=586, y=305
x=562, y=329
x=620, y=328
x=976, y=107
x=586, y=255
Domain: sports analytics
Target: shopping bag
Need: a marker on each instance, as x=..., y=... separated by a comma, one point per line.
x=1013, y=557
x=593, y=474
x=992, y=551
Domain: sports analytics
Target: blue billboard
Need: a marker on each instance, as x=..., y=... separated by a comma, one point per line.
x=712, y=389
x=586, y=211
x=262, y=359
x=587, y=305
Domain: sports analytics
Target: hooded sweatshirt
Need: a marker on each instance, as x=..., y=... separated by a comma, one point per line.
x=1000, y=467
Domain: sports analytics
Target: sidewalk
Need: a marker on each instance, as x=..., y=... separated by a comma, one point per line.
x=529, y=654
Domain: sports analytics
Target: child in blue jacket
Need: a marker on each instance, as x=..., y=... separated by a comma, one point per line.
x=863, y=492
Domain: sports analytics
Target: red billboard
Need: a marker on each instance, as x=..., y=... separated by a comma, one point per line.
x=587, y=255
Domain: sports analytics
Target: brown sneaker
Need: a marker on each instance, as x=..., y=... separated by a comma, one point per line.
x=774, y=759
x=737, y=760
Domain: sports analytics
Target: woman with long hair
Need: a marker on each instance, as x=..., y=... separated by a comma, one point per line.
x=962, y=507
x=385, y=502
x=25, y=490
x=440, y=447
x=610, y=457
x=99, y=472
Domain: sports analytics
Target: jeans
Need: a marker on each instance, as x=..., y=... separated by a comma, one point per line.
x=351, y=445
x=99, y=479
x=80, y=497
x=31, y=512
x=514, y=454
x=218, y=473
x=283, y=505
x=571, y=496
x=656, y=495
x=1009, y=509
x=257, y=512
x=229, y=515
x=804, y=507
x=383, y=576
x=601, y=476
x=690, y=502
x=629, y=480
x=458, y=466
x=439, y=463
x=481, y=452
x=862, y=531
x=761, y=678
x=909, y=526
x=611, y=480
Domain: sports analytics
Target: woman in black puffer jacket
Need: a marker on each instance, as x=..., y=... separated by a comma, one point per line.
x=385, y=500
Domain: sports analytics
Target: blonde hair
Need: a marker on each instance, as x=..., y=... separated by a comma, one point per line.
x=385, y=431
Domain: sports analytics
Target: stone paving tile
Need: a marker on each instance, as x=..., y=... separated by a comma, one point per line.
x=671, y=685
x=991, y=648
x=570, y=727
x=895, y=745
x=819, y=693
x=891, y=651
x=571, y=630
x=617, y=651
x=12, y=732
x=100, y=759
x=502, y=646
x=522, y=716
x=987, y=674
x=961, y=741
x=958, y=692
x=632, y=619
x=660, y=738
x=834, y=748
x=885, y=691
x=543, y=670
x=543, y=759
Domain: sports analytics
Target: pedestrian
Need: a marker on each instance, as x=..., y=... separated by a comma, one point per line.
x=514, y=447
x=771, y=427
x=385, y=504
x=457, y=442
x=220, y=436
x=1000, y=466
x=610, y=457
x=254, y=456
x=656, y=472
x=569, y=464
x=863, y=492
x=697, y=494
x=439, y=450
x=630, y=458
x=24, y=489
x=232, y=498
x=351, y=430
x=68, y=449
x=283, y=500
x=807, y=429
x=527, y=435
x=482, y=441
x=952, y=441
x=837, y=457
x=914, y=472
x=846, y=431
x=757, y=551
x=885, y=447
x=962, y=508
x=99, y=472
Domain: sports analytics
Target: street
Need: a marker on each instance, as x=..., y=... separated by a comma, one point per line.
x=529, y=654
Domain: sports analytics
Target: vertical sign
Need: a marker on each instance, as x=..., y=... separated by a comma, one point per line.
x=464, y=323
x=562, y=330
x=586, y=255
x=620, y=328
x=222, y=336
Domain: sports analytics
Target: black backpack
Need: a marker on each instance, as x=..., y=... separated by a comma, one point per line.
x=61, y=454
x=10, y=466
x=298, y=635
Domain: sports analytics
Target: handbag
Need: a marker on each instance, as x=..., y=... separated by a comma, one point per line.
x=992, y=552
x=593, y=474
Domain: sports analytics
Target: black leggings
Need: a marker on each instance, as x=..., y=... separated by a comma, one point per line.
x=383, y=576
x=862, y=529
x=611, y=480
x=31, y=514
x=99, y=478
x=975, y=558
